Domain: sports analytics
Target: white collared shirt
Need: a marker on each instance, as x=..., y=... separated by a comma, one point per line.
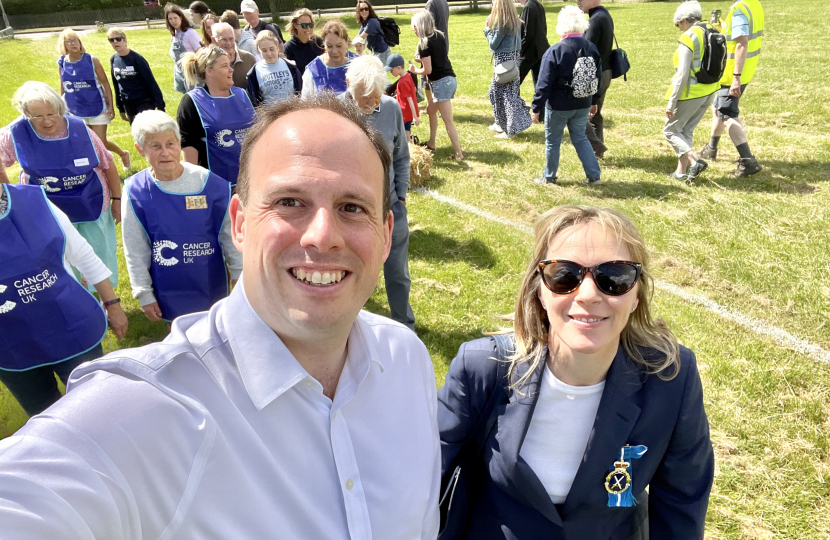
x=218, y=432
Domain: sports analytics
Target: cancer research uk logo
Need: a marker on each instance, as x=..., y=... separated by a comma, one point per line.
x=189, y=252
x=27, y=289
x=222, y=136
x=47, y=182
x=69, y=86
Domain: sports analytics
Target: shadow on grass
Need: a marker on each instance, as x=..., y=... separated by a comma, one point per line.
x=473, y=118
x=444, y=345
x=433, y=246
x=611, y=189
x=492, y=157
x=661, y=164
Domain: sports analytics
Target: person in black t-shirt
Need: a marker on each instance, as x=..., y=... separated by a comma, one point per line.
x=135, y=86
x=436, y=67
x=601, y=33
x=304, y=46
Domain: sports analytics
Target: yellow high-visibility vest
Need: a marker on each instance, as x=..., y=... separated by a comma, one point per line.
x=693, y=39
x=754, y=13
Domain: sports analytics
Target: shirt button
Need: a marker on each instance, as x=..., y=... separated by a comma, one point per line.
x=349, y=484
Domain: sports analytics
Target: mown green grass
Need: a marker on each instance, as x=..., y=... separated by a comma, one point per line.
x=757, y=245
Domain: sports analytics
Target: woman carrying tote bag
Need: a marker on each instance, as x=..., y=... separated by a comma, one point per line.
x=503, y=32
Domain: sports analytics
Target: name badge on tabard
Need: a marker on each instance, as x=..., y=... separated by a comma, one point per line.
x=196, y=202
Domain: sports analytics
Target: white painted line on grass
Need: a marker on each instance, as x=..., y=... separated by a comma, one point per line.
x=779, y=335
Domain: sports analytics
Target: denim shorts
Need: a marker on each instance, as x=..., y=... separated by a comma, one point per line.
x=443, y=89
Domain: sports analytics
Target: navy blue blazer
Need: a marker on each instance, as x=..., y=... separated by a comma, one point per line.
x=665, y=416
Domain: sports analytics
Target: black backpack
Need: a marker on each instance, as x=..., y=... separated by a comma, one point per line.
x=713, y=62
x=391, y=31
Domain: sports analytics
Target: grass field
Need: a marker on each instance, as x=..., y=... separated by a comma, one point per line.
x=758, y=246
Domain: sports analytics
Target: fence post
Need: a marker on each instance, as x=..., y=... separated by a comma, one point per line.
x=275, y=14
x=318, y=13
x=397, y=11
x=148, y=23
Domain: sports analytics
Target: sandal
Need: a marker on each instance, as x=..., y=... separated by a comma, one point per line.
x=427, y=146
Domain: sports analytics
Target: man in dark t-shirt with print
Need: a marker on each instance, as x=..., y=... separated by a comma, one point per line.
x=136, y=89
x=601, y=33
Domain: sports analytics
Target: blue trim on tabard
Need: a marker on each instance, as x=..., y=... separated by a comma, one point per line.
x=8, y=202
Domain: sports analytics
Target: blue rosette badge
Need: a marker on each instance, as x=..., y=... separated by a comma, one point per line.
x=618, y=481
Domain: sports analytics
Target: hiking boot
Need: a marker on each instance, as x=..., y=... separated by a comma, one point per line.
x=746, y=167
x=697, y=167
x=593, y=181
x=599, y=149
x=709, y=153
x=544, y=180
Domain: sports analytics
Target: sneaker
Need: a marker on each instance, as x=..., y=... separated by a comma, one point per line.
x=679, y=177
x=495, y=127
x=593, y=181
x=544, y=180
x=709, y=153
x=503, y=135
x=697, y=167
x=746, y=167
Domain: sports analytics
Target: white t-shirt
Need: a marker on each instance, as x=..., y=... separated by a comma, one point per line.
x=275, y=81
x=559, y=431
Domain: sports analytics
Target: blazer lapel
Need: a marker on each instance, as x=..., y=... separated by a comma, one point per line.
x=616, y=417
x=518, y=478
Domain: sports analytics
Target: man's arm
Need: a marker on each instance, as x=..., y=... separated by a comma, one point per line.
x=741, y=47
x=146, y=74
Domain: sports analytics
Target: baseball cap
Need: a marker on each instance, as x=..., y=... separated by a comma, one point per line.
x=357, y=40
x=394, y=61
x=248, y=6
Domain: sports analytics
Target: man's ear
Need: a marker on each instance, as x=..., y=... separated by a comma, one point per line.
x=236, y=210
x=388, y=227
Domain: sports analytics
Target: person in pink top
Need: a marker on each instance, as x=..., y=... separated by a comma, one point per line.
x=43, y=110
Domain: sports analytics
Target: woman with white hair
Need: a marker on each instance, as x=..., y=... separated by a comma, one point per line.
x=567, y=91
x=366, y=80
x=176, y=232
x=87, y=91
x=65, y=156
x=432, y=54
x=689, y=98
x=503, y=32
x=215, y=116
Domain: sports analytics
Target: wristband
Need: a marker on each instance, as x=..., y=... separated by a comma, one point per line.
x=736, y=74
x=115, y=198
x=112, y=302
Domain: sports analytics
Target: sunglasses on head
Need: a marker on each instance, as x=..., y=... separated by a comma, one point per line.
x=614, y=278
x=116, y=39
x=306, y=25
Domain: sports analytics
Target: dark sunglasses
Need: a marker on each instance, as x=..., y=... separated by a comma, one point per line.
x=114, y=39
x=614, y=278
x=364, y=9
x=306, y=25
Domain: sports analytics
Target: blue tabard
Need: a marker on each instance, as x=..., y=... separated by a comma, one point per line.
x=64, y=167
x=187, y=266
x=226, y=121
x=80, y=88
x=331, y=79
x=46, y=316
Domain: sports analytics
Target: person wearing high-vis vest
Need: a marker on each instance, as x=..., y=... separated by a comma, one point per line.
x=744, y=29
x=215, y=116
x=688, y=98
x=62, y=154
x=176, y=231
x=50, y=323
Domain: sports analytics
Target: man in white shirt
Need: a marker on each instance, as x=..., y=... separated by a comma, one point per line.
x=285, y=411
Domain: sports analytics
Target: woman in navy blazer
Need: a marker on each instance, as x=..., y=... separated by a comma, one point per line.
x=596, y=403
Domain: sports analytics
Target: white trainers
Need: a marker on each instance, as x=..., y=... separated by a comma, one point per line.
x=495, y=127
x=502, y=135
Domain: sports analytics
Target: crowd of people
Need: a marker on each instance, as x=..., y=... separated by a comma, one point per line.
x=273, y=377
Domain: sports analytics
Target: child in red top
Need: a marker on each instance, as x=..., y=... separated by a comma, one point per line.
x=405, y=92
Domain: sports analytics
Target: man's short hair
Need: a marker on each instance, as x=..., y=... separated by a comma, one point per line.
x=327, y=101
x=230, y=17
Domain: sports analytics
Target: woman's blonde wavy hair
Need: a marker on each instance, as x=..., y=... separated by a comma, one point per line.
x=648, y=342
x=503, y=16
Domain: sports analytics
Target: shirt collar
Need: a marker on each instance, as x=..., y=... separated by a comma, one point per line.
x=571, y=34
x=267, y=367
